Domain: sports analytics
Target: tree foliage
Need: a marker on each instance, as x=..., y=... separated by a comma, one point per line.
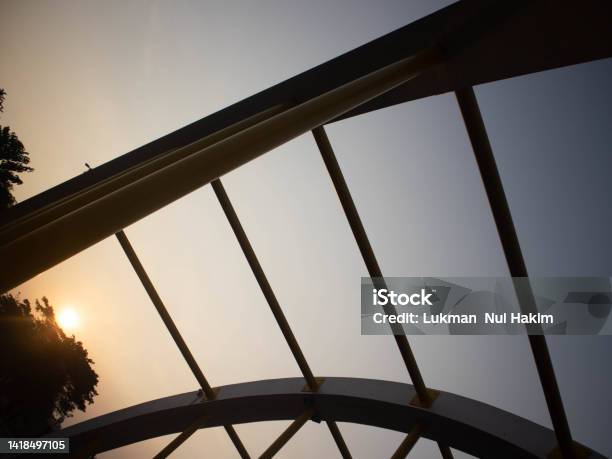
x=14, y=160
x=44, y=374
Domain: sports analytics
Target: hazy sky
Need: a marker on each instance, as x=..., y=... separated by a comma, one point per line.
x=88, y=81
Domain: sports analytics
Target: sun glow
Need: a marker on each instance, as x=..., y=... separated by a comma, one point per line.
x=68, y=319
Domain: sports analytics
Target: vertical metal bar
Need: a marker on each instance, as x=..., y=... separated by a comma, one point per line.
x=287, y=434
x=340, y=443
x=273, y=303
x=367, y=253
x=361, y=237
x=233, y=435
x=180, y=439
x=176, y=335
x=262, y=280
x=163, y=313
x=445, y=451
x=514, y=257
x=408, y=443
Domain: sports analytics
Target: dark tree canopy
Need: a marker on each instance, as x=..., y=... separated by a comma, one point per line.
x=14, y=160
x=44, y=374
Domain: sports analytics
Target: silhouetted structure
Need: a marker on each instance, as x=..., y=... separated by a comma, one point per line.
x=468, y=43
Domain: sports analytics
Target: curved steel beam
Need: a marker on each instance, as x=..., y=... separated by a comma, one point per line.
x=531, y=37
x=74, y=224
x=465, y=424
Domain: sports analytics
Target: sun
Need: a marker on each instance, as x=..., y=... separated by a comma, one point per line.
x=68, y=319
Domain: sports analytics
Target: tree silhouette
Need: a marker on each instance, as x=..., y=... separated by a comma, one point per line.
x=13, y=161
x=44, y=374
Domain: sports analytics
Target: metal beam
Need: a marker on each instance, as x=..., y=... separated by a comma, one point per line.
x=277, y=311
x=409, y=441
x=85, y=197
x=264, y=285
x=180, y=438
x=340, y=443
x=287, y=434
x=555, y=35
x=80, y=228
x=164, y=314
x=179, y=341
x=369, y=258
x=514, y=257
x=367, y=253
x=464, y=424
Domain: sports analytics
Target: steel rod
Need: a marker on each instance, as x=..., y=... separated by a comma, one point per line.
x=231, y=432
x=80, y=228
x=408, y=443
x=369, y=258
x=180, y=438
x=264, y=285
x=277, y=311
x=287, y=434
x=340, y=443
x=164, y=314
x=176, y=335
x=367, y=253
x=514, y=257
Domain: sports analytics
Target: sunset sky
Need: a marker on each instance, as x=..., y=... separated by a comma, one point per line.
x=88, y=81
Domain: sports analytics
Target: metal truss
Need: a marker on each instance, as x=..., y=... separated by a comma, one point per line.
x=465, y=44
x=465, y=424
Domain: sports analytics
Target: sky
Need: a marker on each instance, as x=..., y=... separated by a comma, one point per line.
x=88, y=81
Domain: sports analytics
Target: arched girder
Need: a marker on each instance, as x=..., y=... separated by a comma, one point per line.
x=465, y=424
